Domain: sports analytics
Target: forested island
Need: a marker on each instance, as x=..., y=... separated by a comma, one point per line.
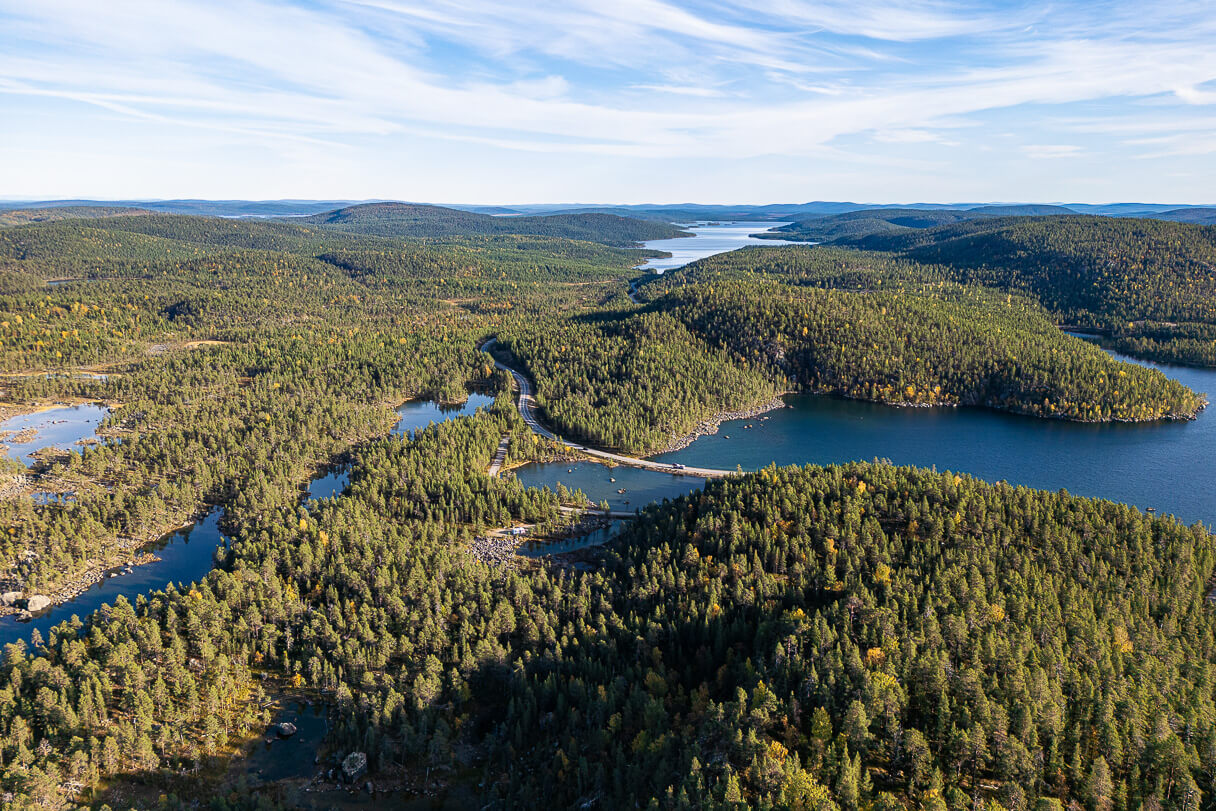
x=857, y=636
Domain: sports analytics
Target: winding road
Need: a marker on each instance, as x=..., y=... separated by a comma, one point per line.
x=527, y=410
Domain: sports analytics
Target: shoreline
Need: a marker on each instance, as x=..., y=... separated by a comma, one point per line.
x=710, y=426
x=131, y=554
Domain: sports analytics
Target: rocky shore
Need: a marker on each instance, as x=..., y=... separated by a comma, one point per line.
x=710, y=426
x=81, y=583
x=502, y=550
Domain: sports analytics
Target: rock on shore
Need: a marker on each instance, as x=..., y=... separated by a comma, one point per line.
x=354, y=766
x=710, y=426
x=496, y=550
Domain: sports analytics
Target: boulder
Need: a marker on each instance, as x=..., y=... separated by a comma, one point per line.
x=37, y=603
x=354, y=767
x=285, y=729
x=10, y=597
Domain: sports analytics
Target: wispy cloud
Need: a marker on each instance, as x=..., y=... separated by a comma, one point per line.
x=1048, y=151
x=634, y=79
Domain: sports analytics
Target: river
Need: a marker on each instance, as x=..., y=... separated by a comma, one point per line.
x=187, y=554
x=709, y=240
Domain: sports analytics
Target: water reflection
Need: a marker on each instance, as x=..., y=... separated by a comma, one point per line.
x=417, y=414
x=185, y=555
x=60, y=427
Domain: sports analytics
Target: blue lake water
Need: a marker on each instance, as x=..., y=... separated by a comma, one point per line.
x=330, y=484
x=420, y=413
x=540, y=549
x=596, y=481
x=185, y=556
x=1168, y=466
x=60, y=427
x=709, y=240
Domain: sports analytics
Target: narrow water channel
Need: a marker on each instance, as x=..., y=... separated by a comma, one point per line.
x=185, y=555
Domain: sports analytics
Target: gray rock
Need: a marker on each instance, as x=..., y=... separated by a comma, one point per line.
x=285, y=729
x=354, y=767
x=37, y=603
x=10, y=597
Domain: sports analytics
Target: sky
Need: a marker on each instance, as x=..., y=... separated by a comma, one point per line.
x=610, y=101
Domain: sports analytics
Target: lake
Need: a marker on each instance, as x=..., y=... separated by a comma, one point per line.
x=709, y=240
x=1164, y=465
x=185, y=555
x=60, y=427
x=601, y=483
x=418, y=414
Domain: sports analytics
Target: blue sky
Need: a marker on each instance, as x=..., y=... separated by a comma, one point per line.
x=480, y=101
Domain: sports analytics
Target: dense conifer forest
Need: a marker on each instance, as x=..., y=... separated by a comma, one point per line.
x=860, y=636
x=1150, y=285
x=406, y=220
x=637, y=380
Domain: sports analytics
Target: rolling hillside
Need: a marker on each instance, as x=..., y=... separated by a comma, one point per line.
x=408, y=220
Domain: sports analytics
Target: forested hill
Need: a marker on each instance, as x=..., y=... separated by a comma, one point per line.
x=852, y=225
x=25, y=216
x=637, y=380
x=1149, y=285
x=408, y=220
x=838, y=639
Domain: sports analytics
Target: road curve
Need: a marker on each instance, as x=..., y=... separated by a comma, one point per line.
x=527, y=410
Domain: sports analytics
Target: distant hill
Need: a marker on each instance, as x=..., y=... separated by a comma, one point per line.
x=26, y=216
x=1102, y=270
x=211, y=208
x=696, y=212
x=411, y=221
x=1198, y=216
x=854, y=225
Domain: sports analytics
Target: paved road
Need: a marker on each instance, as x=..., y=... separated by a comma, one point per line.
x=500, y=456
x=527, y=410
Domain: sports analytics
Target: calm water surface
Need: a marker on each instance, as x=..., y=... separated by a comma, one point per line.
x=709, y=240
x=418, y=414
x=60, y=427
x=187, y=554
x=278, y=758
x=1169, y=466
x=596, y=481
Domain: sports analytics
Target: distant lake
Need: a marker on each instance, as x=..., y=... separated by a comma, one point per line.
x=709, y=240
